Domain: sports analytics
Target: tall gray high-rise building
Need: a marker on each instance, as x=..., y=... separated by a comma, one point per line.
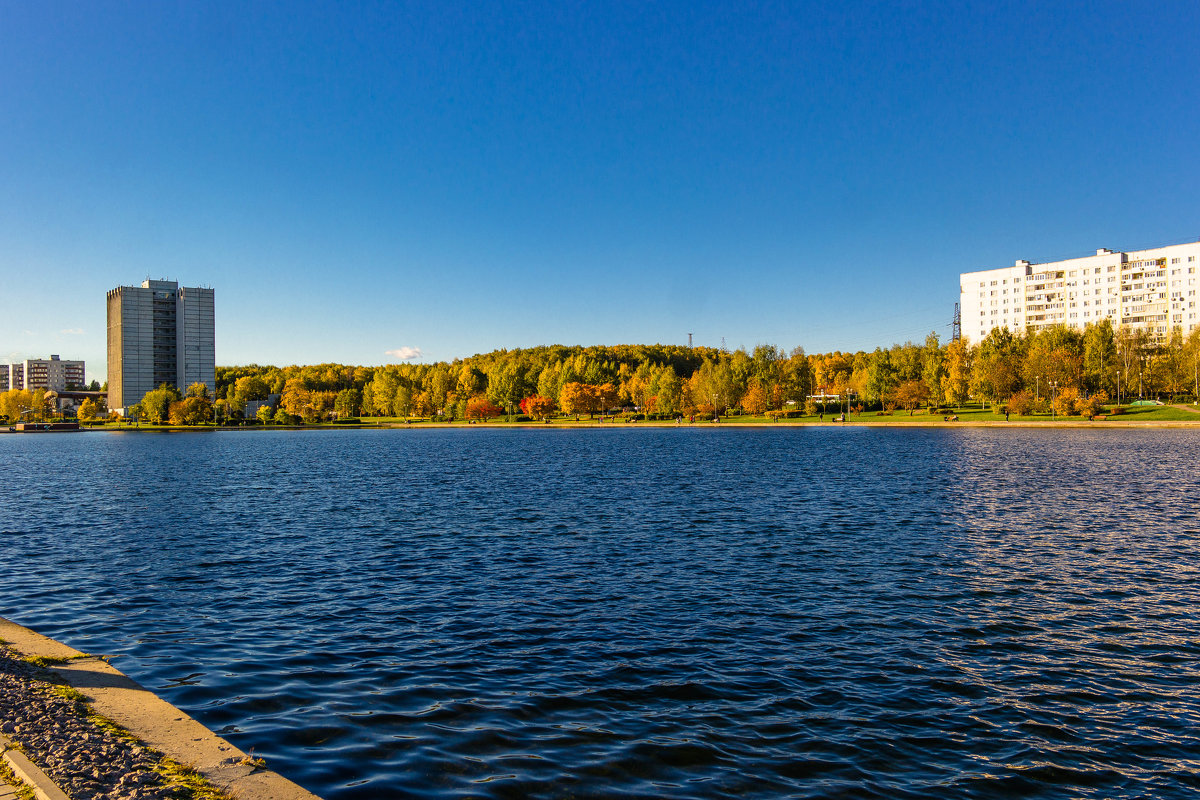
x=159, y=332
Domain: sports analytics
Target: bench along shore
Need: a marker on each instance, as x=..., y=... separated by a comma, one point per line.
x=71, y=725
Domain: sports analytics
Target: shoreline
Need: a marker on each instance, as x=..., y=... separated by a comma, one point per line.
x=582, y=425
x=100, y=700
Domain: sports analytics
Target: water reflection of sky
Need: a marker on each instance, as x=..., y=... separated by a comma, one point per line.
x=1079, y=607
x=679, y=613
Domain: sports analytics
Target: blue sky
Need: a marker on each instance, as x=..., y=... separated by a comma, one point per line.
x=357, y=178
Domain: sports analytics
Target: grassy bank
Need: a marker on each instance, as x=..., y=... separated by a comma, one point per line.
x=965, y=416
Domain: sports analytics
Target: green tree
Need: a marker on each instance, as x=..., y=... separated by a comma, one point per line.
x=996, y=372
x=668, y=390
x=881, y=378
x=715, y=384
x=1053, y=356
x=156, y=404
x=1192, y=353
x=402, y=402
x=797, y=380
x=441, y=384
x=1099, y=357
x=766, y=365
x=933, y=368
x=347, y=403
x=1173, y=366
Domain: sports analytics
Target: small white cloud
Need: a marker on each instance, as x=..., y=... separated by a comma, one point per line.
x=72, y=331
x=405, y=353
x=28, y=333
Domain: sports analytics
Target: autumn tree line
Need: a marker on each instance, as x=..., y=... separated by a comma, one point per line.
x=1025, y=369
x=1020, y=372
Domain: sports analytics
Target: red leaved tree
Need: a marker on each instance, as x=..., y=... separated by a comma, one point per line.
x=479, y=407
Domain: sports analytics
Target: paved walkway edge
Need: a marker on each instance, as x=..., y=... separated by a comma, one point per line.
x=28, y=772
x=154, y=721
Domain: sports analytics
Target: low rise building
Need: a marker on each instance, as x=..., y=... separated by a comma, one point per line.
x=67, y=403
x=1152, y=290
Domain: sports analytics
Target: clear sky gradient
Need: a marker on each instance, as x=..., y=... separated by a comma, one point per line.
x=358, y=178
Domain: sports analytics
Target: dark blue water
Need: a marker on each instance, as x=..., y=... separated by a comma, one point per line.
x=667, y=613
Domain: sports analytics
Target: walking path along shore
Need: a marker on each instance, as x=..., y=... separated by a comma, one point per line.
x=73, y=726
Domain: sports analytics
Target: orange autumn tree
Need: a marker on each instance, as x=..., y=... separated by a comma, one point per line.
x=537, y=406
x=577, y=398
x=607, y=396
x=755, y=400
x=191, y=411
x=910, y=395
x=479, y=407
x=587, y=398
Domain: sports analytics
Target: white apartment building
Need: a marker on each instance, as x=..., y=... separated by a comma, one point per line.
x=1142, y=289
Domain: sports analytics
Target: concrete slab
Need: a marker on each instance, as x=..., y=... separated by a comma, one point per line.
x=155, y=721
x=31, y=774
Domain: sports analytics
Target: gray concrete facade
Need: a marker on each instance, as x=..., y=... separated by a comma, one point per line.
x=42, y=373
x=159, y=333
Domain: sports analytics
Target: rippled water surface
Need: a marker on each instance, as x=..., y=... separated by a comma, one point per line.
x=659, y=612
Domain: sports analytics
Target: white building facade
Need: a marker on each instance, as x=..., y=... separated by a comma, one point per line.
x=1154, y=290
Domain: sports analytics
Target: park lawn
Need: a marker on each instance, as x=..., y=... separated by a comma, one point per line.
x=1156, y=414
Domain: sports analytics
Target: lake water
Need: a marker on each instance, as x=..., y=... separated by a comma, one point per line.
x=639, y=613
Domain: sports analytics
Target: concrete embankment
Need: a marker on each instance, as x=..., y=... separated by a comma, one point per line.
x=74, y=726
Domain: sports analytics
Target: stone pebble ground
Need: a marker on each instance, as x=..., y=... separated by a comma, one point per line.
x=83, y=759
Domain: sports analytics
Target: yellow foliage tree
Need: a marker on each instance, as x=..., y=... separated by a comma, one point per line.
x=1066, y=401
x=577, y=398
x=755, y=400
x=24, y=405
x=191, y=411
x=87, y=410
